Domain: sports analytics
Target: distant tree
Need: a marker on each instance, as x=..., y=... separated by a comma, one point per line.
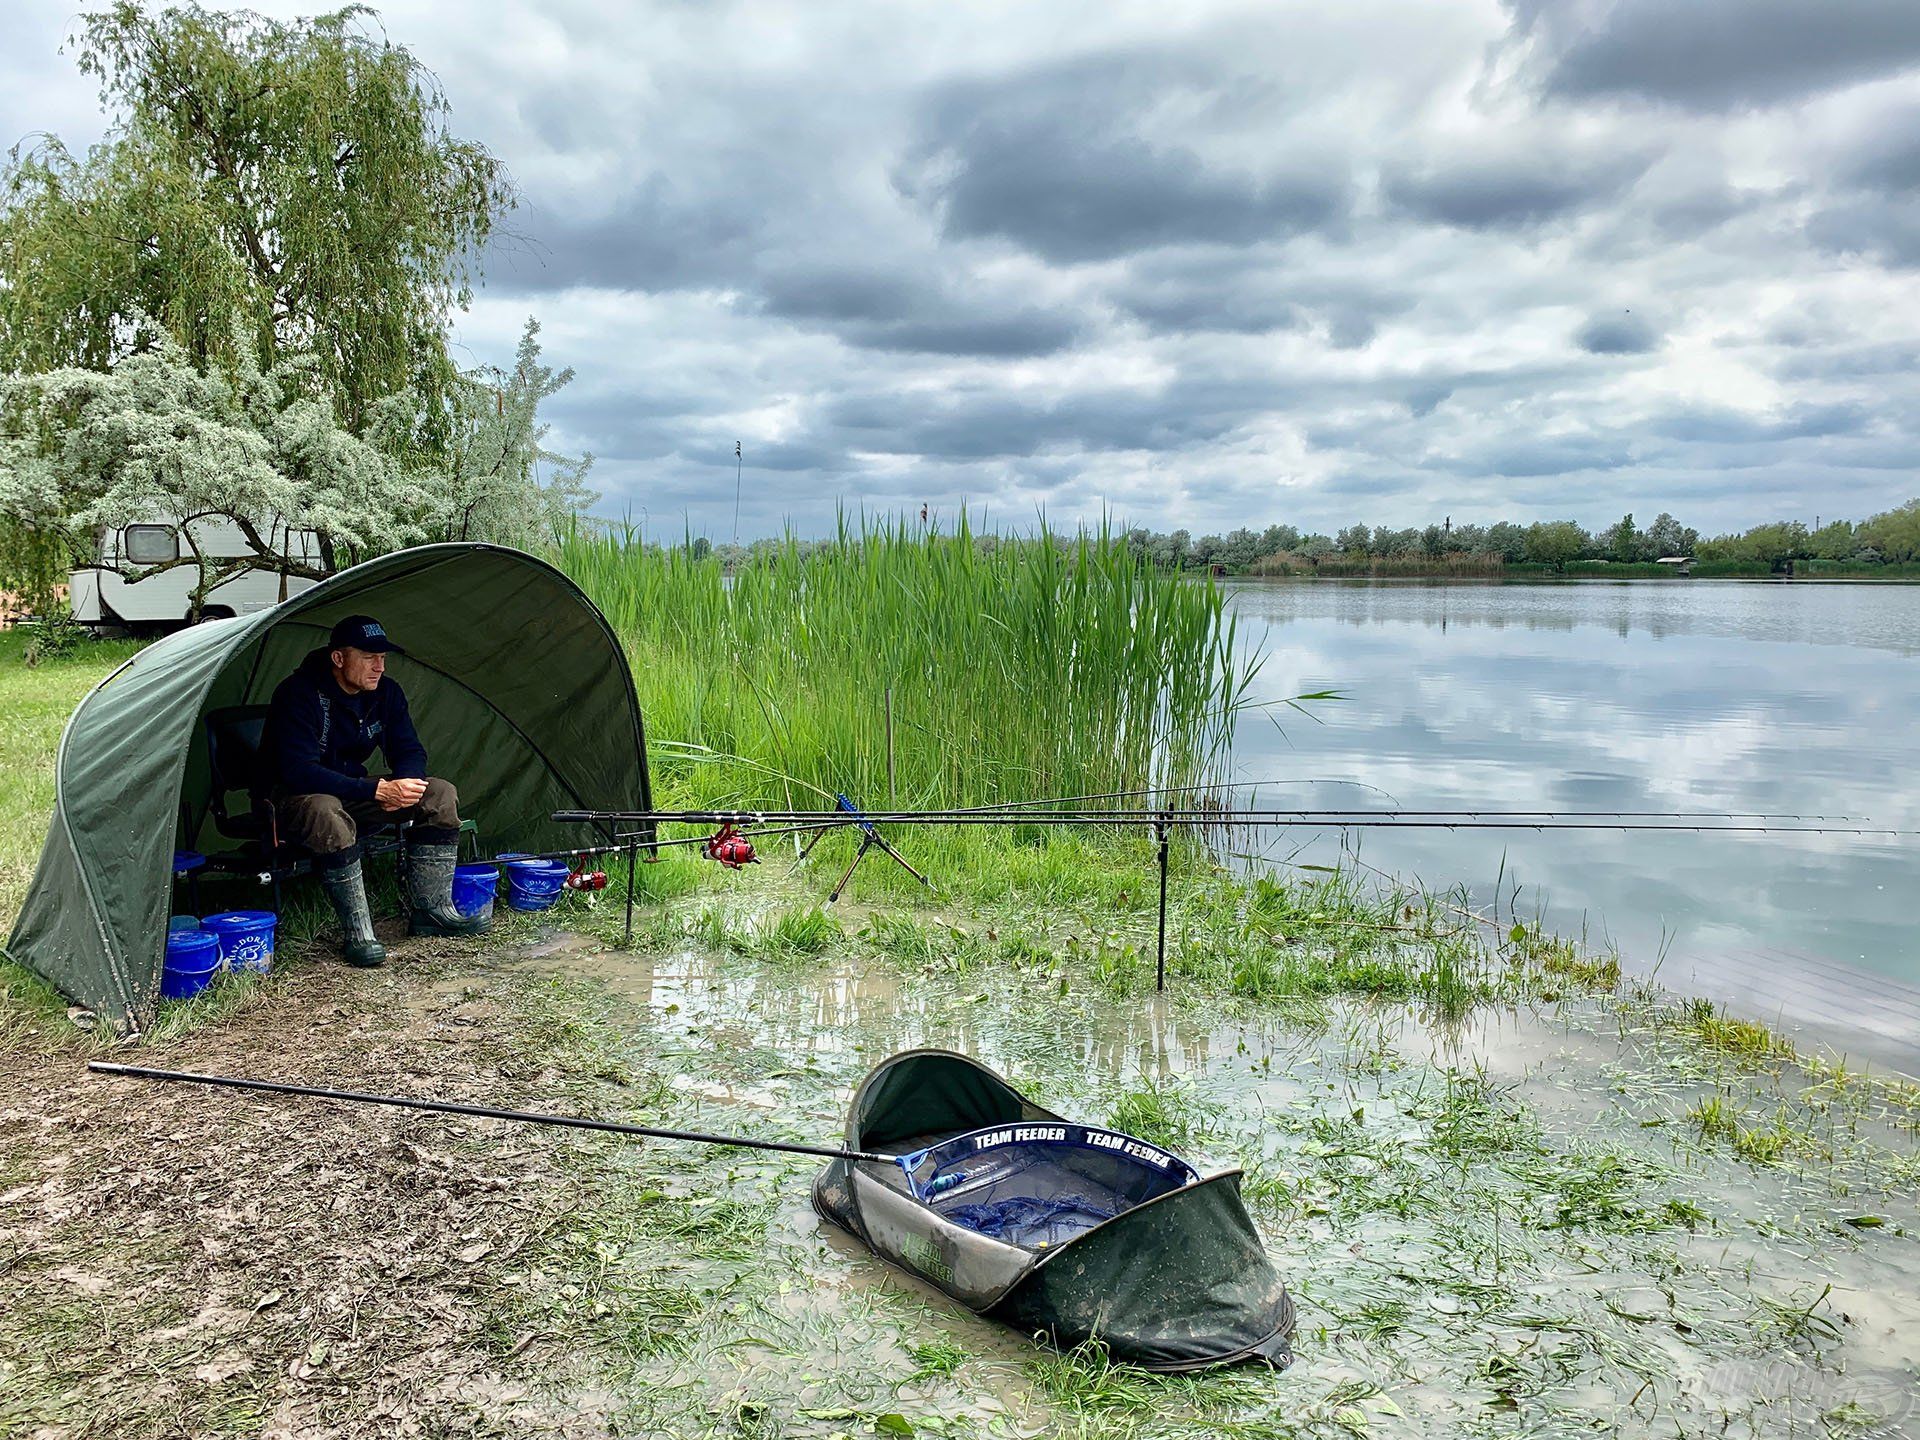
x=1241, y=549
x=1834, y=541
x=1315, y=547
x=1556, y=543
x=1433, y=542
x=1354, y=540
x=700, y=547
x=1776, y=544
x=1508, y=541
x=1667, y=536
x=1895, y=533
x=1278, y=538
x=1620, y=541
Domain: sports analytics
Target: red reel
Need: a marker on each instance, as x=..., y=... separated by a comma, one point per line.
x=731, y=848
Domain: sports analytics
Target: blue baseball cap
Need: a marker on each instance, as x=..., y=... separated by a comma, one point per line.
x=361, y=632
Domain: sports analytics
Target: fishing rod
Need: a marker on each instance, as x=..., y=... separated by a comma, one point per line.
x=1685, y=822
x=730, y=845
x=483, y=1112
x=1003, y=806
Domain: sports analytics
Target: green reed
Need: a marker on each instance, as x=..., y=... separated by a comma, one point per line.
x=1045, y=665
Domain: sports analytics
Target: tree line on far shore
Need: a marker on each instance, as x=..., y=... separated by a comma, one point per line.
x=1891, y=538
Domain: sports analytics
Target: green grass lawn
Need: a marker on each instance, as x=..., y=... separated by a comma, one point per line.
x=34, y=704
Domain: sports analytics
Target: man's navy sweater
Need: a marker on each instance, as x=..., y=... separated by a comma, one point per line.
x=318, y=738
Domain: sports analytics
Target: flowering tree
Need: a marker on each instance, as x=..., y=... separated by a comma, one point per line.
x=159, y=436
x=496, y=491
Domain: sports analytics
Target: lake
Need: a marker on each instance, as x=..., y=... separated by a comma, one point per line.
x=1654, y=695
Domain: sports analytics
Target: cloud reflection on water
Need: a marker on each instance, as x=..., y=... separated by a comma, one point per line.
x=1655, y=696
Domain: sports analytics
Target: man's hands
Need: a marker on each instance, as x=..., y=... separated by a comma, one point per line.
x=398, y=794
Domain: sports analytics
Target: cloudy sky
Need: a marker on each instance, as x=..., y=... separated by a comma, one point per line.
x=1193, y=265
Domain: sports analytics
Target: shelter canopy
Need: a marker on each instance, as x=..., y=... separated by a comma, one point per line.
x=519, y=688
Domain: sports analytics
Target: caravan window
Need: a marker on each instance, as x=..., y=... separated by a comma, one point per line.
x=152, y=544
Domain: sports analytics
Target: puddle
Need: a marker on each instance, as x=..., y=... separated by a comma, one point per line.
x=1504, y=1223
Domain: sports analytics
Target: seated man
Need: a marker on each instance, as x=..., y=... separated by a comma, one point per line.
x=325, y=721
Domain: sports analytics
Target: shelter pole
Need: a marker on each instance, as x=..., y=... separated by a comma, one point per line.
x=1160, y=956
x=633, y=863
x=482, y=1112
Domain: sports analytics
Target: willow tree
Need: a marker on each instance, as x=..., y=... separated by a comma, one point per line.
x=300, y=175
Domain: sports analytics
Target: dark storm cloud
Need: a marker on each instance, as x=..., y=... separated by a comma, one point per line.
x=1888, y=159
x=1617, y=334
x=1720, y=54
x=659, y=236
x=877, y=310
x=978, y=425
x=1721, y=426
x=1055, y=161
x=1257, y=293
x=1484, y=194
x=1879, y=228
x=1529, y=457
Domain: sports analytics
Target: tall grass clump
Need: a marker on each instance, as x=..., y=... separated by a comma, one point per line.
x=1044, y=665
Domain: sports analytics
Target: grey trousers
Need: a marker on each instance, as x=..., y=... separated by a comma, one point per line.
x=330, y=827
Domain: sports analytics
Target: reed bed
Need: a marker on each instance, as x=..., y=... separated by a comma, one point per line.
x=1039, y=666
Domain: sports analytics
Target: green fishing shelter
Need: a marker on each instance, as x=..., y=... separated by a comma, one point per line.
x=517, y=685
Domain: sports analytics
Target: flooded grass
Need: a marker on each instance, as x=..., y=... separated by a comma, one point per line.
x=1474, y=1249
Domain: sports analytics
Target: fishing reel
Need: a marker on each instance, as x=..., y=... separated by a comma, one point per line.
x=586, y=880
x=731, y=848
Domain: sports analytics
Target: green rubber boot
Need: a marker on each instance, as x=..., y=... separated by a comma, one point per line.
x=430, y=894
x=348, y=892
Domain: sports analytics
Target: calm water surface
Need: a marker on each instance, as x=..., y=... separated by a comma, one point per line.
x=1660, y=695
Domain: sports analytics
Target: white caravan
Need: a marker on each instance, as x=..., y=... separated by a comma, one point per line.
x=104, y=598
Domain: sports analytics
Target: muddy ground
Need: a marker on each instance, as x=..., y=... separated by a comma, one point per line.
x=1516, y=1224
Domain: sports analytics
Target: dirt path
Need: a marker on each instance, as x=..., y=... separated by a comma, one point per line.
x=181, y=1260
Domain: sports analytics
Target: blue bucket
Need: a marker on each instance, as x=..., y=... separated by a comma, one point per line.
x=246, y=938
x=182, y=922
x=535, y=884
x=473, y=887
x=193, y=959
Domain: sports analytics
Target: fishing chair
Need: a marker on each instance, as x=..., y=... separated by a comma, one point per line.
x=234, y=767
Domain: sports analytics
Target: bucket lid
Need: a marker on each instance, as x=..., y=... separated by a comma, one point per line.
x=187, y=944
x=239, y=920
